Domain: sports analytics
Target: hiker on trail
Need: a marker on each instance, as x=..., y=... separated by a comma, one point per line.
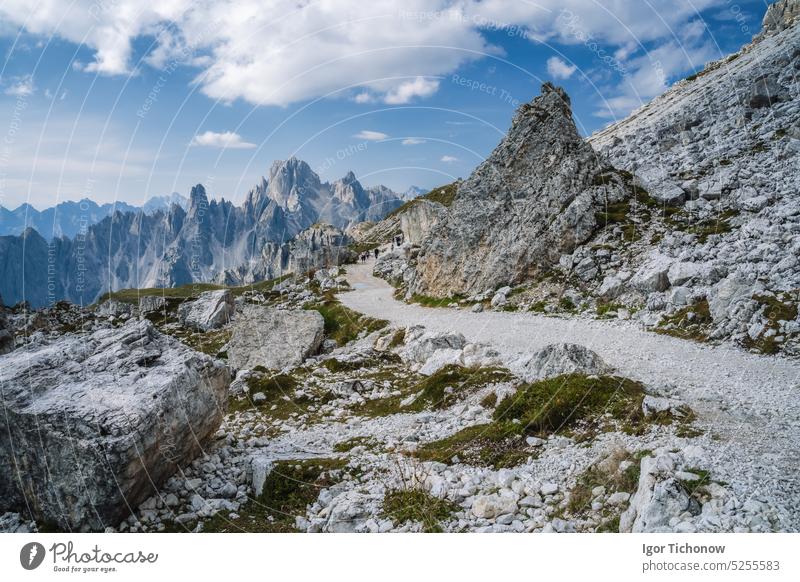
x=376, y=253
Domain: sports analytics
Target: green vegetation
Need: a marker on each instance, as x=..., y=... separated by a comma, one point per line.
x=497, y=445
x=289, y=488
x=538, y=306
x=705, y=228
x=777, y=308
x=606, y=307
x=627, y=480
x=354, y=442
x=559, y=403
x=343, y=325
x=452, y=383
x=572, y=402
x=490, y=400
x=690, y=322
x=209, y=342
x=439, y=390
x=427, y=301
x=336, y=365
x=416, y=505
x=444, y=195
x=398, y=339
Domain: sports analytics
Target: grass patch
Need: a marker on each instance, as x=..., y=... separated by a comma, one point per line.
x=444, y=195
x=497, y=445
x=354, y=442
x=453, y=383
x=715, y=226
x=776, y=308
x=342, y=324
x=690, y=322
x=427, y=301
x=490, y=400
x=572, y=402
x=560, y=403
x=416, y=505
x=289, y=488
x=336, y=365
x=606, y=307
x=580, y=498
x=398, y=339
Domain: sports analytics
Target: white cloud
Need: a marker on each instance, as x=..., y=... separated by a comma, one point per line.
x=448, y=159
x=412, y=141
x=370, y=135
x=225, y=140
x=363, y=98
x=20, y=86
x=559, y=69
x=419, y=87
x=293, y=51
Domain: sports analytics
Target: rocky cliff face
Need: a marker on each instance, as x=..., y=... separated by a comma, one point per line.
x=720, y=152
x=532, y=200
x=208, y=240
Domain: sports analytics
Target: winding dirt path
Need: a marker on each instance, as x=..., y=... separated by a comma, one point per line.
x=748, y=404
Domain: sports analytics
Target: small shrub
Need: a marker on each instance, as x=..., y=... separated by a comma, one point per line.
x=416, y=505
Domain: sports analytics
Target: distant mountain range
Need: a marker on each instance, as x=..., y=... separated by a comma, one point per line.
x=69, y=218
x=208, y=240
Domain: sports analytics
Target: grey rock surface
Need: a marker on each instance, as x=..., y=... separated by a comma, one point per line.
x=97, y=421
x=534, y=199
x=211, y=310
x=274, y=338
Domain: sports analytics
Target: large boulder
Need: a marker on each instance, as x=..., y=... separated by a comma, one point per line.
x=274, y=338
x=96, y=423
x=558, y=359
x=653, y=274
x=211, y=310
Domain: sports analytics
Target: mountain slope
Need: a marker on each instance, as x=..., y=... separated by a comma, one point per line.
x=70, y=218
x=209, y=240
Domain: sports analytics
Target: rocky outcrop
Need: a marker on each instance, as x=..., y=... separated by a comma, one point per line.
x=418, y=221
x=274, y=338
x=211, y=310
x=781, y=15
x=534, y=199
x=318, y=247
x=734, y=234
x=96, y=423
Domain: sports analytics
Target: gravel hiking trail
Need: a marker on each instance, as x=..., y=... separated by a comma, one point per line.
x=749, y=405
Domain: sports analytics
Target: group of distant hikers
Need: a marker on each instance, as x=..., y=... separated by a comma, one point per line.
x=396, y=242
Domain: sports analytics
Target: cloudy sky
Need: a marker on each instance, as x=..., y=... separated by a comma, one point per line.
x=124, y=100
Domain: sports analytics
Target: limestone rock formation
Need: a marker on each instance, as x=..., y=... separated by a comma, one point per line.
x=96, y=422
x=531, y=201
x=274, y=338
x=211, y=310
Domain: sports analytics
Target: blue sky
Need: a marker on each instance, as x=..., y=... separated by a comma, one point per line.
x=112, y=100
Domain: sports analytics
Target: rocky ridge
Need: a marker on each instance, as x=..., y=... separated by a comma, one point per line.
x=279, y=226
